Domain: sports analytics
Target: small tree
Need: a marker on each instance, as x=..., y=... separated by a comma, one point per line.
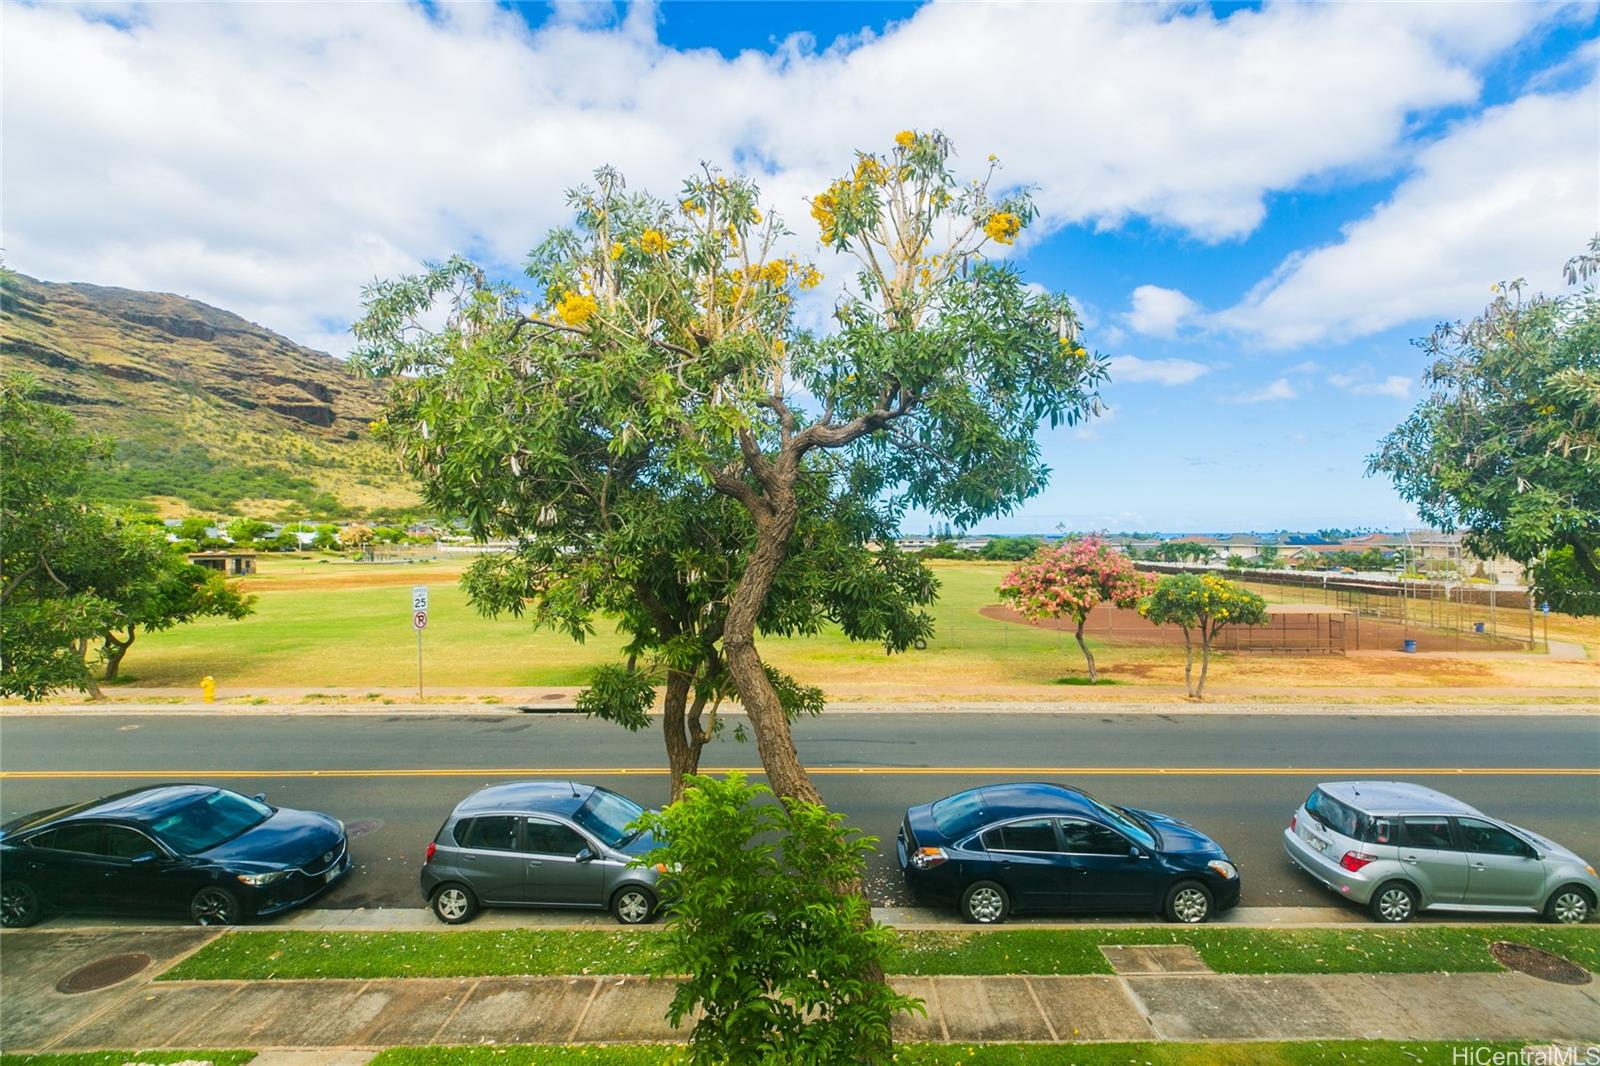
x=356, y=536
x=150, y=586
x=248, y=530
x=782, y=965
x=1070, y=581
x=1202, y=603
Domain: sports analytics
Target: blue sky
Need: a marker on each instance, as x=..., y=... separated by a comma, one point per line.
x=1256, y=207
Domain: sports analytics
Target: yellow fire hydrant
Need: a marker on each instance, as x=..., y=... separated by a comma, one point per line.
x=208, y=689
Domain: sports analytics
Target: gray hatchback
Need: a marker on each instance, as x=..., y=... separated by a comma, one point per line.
x=1400, y=848
x=541, y=844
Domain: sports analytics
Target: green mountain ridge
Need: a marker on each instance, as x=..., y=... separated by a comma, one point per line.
x=207, y=411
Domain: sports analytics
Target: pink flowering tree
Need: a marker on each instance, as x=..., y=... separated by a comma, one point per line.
x=1072, y=579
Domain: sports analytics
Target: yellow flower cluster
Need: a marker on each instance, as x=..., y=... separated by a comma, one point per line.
x=1003, y=227
x=905, y=138
x=824, y=206
x=616, y=251
x=691, y=208
x=775, y=273
x=811, y=278
x=870, y=172
x=653, y=242
x=576, y=308
x=1072, y=348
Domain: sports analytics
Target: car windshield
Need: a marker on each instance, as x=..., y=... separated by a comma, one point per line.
x=209, y=821
x=607, y=815
x=958, y=815
x=1130, y=824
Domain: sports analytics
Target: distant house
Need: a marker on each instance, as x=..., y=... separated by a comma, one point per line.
x=232, y=563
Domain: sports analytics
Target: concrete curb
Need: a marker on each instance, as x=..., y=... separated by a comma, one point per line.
x=420, y=919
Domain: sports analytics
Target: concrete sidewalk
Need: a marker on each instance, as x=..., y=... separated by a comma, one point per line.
x=1157, y=994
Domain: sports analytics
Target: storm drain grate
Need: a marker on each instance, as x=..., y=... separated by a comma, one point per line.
x=103, y=973
x=1536, y=963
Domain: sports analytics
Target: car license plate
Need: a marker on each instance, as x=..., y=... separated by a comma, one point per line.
x=328, y=877
x=1320, y=845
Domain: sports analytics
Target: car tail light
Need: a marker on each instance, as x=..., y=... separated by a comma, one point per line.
x=1355, y=860
x=432, y=847
x=928, y=858
x=1294, y=821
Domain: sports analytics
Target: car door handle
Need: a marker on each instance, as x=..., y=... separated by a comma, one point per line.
x=1477, y=866
x=1409, y=858
x=535, y=862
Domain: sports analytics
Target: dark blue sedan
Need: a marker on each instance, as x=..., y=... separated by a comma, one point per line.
x=1009, y=848
x=208, y=853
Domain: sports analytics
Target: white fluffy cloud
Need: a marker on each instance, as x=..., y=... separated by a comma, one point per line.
x=1511, y=193
x=1361, y=383
x=273, y=158
x=1159, y=312
x=1133, y=370
x=1278, y=389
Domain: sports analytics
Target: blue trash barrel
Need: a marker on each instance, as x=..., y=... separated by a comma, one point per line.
x=1477, y=627
x=1411, y=645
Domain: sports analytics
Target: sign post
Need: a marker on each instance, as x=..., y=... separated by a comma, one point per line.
x=419, y=622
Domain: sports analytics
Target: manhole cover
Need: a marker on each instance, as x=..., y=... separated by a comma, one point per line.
x=103, y=973
x=554, y=696
x=1536, y=963
x=362, y=826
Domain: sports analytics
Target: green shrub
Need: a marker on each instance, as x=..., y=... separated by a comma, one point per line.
x=767, y=919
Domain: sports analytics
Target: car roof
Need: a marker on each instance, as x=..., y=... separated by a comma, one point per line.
x=1033, y=797
x=140, y=805
x=1395, y=797
x=556, y=797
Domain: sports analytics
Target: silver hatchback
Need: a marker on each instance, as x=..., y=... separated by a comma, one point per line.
x=1399, y=848
x=541, y=844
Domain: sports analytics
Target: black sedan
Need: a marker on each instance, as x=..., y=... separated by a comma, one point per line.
x=208, y=853
x=1001, y=849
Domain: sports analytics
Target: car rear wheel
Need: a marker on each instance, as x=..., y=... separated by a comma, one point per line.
x=1569, y=905
x=1394, y=902
x=633, y=905
x=454, y=904
x=985, y=903
x=19, y=905
x=1189, y=902
x=214, y=906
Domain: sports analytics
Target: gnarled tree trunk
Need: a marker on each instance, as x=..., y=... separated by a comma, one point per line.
x=774, y=741
x=114, y=650
x=1088, y=656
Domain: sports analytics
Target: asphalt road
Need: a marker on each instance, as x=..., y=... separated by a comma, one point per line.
x=393, y=779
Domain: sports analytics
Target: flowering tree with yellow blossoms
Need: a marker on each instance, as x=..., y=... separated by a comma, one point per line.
x=1202, y=603
x=669, y=327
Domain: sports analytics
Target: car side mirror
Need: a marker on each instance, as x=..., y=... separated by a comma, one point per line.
x=1135, y=853
x=261, y=797
x=585, y=855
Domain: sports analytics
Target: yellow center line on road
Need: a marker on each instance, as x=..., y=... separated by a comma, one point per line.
x=847, y=771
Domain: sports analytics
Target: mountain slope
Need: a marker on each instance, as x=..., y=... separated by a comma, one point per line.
x=208, y=411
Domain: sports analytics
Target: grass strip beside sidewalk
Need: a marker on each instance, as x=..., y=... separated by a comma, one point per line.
x=296, y=954
x=1299, y=1053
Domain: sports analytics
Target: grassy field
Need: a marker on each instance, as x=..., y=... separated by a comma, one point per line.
x=329, y=624
x=291, y=954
